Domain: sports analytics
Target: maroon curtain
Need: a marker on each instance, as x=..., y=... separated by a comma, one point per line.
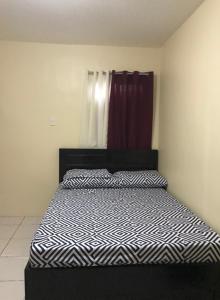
x=130, y=111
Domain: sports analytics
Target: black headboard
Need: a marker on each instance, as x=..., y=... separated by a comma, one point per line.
x=113, y=160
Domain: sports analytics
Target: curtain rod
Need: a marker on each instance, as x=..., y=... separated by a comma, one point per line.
x=120, y=72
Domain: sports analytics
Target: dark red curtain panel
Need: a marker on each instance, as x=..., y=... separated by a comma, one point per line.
x=130, y=111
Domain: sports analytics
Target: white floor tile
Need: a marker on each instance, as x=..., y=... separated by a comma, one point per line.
x=19, y=247
x=6, y=231
x=32, y=220
x=10, y=220
x=12, y=268
x=3, y=243
x=12, y=290
x=25, y=231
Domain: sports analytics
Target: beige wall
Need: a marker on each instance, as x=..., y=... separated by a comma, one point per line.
x=39, y=81
x=190, y=112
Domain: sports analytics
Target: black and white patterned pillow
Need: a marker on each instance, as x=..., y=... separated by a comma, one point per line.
x=91, y=182
x=141, y=179
x=85, y=173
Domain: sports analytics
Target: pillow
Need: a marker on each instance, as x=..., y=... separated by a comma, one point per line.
x=90, y=182
x=85, y=173
x=141, y=179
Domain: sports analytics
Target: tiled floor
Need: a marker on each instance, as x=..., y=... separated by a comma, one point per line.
x=15, y=237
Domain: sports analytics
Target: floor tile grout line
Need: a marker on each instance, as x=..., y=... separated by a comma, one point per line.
x=11, y=280
x=14, y=256
x=22, y=220
x=10, y=217
x=13, y=234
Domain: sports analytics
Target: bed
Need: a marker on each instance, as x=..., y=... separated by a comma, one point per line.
x=124, y=268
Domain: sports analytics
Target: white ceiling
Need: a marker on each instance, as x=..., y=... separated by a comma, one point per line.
x=102, y=22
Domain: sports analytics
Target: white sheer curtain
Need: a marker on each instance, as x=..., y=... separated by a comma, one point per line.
x=95, y=110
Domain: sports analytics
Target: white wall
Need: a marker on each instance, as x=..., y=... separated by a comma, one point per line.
x=39, y=81
x=190, y=112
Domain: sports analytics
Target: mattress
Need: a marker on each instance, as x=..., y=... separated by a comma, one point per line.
x=101, y=227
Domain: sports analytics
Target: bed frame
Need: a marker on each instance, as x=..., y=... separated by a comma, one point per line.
x=137, y=282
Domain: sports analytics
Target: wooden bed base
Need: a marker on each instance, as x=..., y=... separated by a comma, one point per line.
x=133, y=282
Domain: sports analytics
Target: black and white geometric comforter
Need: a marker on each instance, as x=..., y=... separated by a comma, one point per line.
x=120, y=226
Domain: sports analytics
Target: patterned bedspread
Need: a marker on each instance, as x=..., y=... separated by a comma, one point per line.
x=120, y=226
